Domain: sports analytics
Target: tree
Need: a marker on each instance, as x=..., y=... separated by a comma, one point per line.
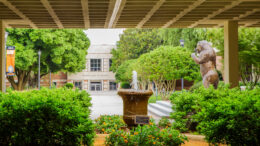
x=124, y=71
x=164, y=66
x=133, y=43
x=172, y=36
x=62, y=50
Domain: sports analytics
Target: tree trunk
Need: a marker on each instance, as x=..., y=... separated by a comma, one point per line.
x=22, y=78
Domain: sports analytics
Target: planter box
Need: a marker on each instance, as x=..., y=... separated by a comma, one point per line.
x=194, y=140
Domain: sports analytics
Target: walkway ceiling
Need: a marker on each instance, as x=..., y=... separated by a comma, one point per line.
x=128, y=13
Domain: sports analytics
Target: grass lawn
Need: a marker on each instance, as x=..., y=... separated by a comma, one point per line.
x=152, y=99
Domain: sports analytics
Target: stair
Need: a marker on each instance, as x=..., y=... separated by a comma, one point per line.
x=160, y=109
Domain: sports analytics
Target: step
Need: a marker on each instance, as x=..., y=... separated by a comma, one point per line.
x=161, y=108
x=155, y=112
x=164, y=103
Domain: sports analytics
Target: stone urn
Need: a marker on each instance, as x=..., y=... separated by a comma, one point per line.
x=135, y=106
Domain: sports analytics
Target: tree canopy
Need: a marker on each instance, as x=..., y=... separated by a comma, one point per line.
x=133, y=43
x=62, y=50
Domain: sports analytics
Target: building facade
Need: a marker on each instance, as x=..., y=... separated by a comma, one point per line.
x=97, y=75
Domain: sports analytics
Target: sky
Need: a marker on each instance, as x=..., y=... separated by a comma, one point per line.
x=103, y=36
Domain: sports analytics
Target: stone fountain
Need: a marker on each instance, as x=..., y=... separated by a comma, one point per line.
x=135, y=104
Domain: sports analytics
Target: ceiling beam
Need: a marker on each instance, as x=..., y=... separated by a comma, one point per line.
x=242, y=16
x=18, y=12
x=150, y=13
x=119, y=5
x=184, y=12
x=110, y=12
x=219, y=11
x=251, y=23
x=56, y=19
x=85, y=11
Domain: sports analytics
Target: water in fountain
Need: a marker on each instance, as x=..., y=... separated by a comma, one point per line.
x=134, y=82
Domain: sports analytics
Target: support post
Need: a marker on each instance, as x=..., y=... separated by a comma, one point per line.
x=231, y=63
x=2, y=56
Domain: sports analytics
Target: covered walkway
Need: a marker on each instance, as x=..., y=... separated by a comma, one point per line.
x=229, y=14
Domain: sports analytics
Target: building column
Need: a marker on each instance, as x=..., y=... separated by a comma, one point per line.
x=2, y=56
x=231, y=63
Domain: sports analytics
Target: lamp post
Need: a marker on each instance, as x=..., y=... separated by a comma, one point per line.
x=182, y=81
x=39, y=69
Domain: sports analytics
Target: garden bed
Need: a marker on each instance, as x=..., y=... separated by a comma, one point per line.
x=193, y=140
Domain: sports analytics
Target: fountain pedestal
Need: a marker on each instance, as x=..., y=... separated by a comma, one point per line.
x=135, y=105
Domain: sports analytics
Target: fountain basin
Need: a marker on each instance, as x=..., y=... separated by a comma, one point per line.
x=134, y=104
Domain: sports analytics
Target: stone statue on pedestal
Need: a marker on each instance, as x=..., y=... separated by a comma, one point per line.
x=207, y=62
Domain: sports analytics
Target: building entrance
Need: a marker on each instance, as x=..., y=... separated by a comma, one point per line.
x=96, y=86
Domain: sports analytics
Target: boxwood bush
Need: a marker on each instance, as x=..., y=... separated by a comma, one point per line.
x=224, y=115
x=46, y=117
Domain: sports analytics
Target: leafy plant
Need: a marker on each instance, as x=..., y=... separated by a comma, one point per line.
x=125, y=85
x=164, y=122
x=107, y=123
x=233, y=119
x=146, y=135
x=69, y=85
x=46, y=117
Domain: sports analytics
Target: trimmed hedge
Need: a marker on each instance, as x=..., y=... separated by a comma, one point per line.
x=46, y=117
x=224, y=115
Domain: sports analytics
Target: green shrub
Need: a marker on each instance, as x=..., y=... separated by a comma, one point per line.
x=69, y=85
x=125, y=85
x=146, y=135
x=164, y=122
x=107, y=124
x=46, y=117
x=187, y=104
x=234, y=119
x=224, y=115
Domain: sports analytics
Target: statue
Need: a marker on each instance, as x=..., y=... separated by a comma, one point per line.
x=207, y=61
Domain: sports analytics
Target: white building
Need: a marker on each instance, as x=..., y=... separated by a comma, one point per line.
x=97, y=75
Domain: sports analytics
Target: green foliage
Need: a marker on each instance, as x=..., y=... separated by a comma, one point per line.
x=107, y=124
x=69, y=85
x=172, y=36
x=125, y=85
x=153, y=99
x=164, y=122
x=167, y=63
x=46, y=117
x=232, y=119
x=187, y=104
x=124, y=71
x=62, y=49
x=146, y=135
x=223, y=115
x=133, y=43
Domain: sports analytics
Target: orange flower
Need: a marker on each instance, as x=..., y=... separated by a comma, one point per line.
x=135, y=133
x=154, y=142
x=126, y=141
x=149, y=135
x=166, y=127
x=103, y=129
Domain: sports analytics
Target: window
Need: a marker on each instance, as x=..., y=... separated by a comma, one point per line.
x=95, y=86
x=112, y=86
x=95, y=64
x=54, y=84
x=110, y=64
x=78, y=85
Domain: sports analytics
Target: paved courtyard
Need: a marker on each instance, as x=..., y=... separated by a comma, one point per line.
x=106, y=104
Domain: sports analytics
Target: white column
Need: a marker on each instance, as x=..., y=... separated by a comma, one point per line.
x=231, y=63
x=2, y=56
